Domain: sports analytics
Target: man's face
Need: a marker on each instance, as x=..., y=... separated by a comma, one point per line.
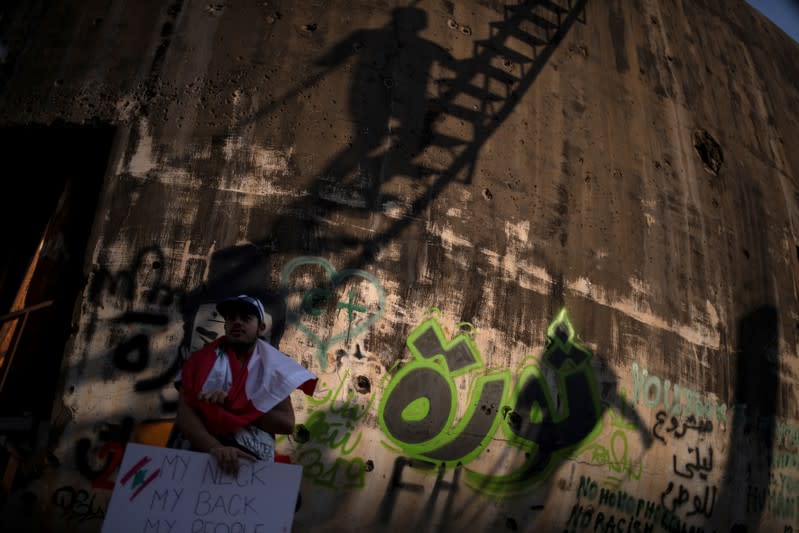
x=242, y=327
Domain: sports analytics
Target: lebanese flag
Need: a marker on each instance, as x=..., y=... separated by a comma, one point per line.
x=268, y=378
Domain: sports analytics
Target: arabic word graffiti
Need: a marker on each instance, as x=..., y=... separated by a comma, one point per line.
x=417, y=412
x=691, y=423
x=702, y=504
x=331, y=429
x=700, y=465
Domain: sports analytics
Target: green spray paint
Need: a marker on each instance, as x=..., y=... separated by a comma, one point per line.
x=549, y=434
x=359, y=316
x=417, y=411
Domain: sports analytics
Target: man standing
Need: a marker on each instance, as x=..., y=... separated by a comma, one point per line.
x=235, y=392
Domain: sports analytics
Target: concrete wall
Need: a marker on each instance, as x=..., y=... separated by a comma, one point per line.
x=543, y=260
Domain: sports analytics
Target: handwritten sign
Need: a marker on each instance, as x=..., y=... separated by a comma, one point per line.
x=161, y=490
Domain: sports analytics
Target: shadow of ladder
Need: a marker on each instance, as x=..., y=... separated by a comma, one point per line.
x=527, y=36
x=523, y=41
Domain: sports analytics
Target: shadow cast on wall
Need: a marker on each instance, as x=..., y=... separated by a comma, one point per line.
x=749, y=470
x=409, y=145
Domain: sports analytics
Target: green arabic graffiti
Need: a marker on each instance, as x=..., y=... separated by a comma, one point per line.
x=548, y=431
x=418, y=410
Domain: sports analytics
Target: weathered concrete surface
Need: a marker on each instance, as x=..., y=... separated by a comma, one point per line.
x=316, y=150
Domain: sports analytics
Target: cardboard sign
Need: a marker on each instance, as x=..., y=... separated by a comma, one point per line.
x=161, y=490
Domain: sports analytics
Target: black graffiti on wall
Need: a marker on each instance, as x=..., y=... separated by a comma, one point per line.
x=398, y=484
x=145, y=303
x=78, y=504
x=142, y=280
x=677, y=428
x=700, y=465
x=696, y=469
x=673, y=498
x=108, y=452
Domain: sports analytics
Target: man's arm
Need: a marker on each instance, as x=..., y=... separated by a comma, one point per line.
x=280, y=420
x=192, y=427
x=189, y=423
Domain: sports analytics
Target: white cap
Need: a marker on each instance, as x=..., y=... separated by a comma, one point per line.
x=254, y=305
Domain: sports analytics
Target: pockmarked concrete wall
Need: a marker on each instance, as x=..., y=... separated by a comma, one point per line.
x=542, y=256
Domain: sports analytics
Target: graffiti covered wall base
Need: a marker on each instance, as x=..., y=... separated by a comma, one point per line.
x=542, y=255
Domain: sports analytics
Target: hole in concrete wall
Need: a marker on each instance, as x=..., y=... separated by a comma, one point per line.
x=746, y=252
x=709, y=151
x=370, y=465
x=363, y=385
x=301, y=434
x=487, y=194
x=511, y=524
x=156, y=265
x=57, y=174
x=214, y=9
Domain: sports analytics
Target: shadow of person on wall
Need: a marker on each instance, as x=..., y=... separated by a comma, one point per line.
x=747, y=477
x=388, y=102
x=420, y=116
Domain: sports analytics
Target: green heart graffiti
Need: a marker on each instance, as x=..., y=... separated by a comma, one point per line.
x=311, y=296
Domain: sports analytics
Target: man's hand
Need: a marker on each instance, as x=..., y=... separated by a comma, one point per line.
x=217, y=397
x=227, y=457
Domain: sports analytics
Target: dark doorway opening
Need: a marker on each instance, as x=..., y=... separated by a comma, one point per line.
x=54, y=175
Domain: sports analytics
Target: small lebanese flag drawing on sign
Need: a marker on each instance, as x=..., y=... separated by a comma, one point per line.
x=139, y=476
